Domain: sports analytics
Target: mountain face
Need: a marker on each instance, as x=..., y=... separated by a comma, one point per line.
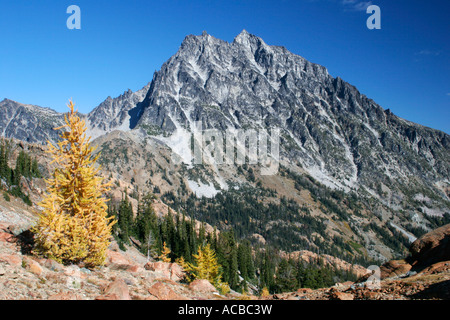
x=328, y=132
x=115, y=114
x=339, y=136
x=28, y=122
x=36, y=124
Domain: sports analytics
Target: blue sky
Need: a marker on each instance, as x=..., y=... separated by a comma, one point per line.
x=404, y=66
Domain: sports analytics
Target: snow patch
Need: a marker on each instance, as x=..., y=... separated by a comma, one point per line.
x=410, y=237
x=95, y=132
x=203, y=190
x=318, y=174
x=433, y=212
x=197, y=70
x=179, y=141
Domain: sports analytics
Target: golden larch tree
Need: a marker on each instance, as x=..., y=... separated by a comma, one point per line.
x=205, y=266
x=165, y=253
x=73, y=226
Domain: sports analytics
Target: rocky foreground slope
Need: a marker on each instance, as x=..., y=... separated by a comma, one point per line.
x=128, y=275
x=424, y=274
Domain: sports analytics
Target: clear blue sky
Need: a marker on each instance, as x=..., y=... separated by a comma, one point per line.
x=405, y=66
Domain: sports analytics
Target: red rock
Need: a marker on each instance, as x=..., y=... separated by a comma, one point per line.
x=64, y=296
x=157, y=266
x=6, y=237
x=52, y=265
x=338, y=295
x=166, y=270
x=134, y=268
x=304, y=290
x=12, y=259
x=438, y=267
x=432, y=247
x=176, y=272
x=116, y=258
x=370, y=295
x=117, y=261
x=202, y=285
x=162, y=292
x=4, y=226
x=33, y=266
x=394, y=268
x=116, y=290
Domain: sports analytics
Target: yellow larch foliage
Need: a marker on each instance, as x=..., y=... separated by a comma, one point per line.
x=165, y=253
x=205, y=266
x=180, y=261
x=265, y=292
x=73, y=225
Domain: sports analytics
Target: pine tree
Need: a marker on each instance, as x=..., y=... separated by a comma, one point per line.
x=170, y=229
x=228, y=258
x=125, y=219
x=3, y=160
x=146, y=226
x=35, y=169
x=73, y=226
x=267, y=270
x=285, y=277
x=245, y=261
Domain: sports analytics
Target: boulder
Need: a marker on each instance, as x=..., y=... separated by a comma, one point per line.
x=338, y=295
x=162, y=291
x=134, y=268
x=370, y=295
x=33, y=266
x=438, y=267
x=6, y=237
x=176, y=272
x=12, y=259
x=116, y=290
x=157, y=266
x=304, y=290
x=394, y=268
x=64, y=296
x=166, y=270
x=52, y=265
x=432, y=247
x=202, y=285
x=115, y=259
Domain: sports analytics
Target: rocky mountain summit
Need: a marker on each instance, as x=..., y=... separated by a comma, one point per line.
x=115, y=114
x=336, y=134
x=28, y=122
x=328, y=128
x=363, y=179
x=36, y=124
